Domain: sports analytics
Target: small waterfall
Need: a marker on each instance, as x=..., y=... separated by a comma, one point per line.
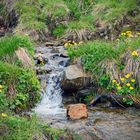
x=52, y=99
x=51, y=103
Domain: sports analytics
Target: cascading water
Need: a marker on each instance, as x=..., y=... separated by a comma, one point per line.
x=51, y=103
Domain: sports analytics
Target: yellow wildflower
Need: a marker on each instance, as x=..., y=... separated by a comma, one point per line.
x=4, y=115
x=69, y=45
x=128, y=32
x=122, y=79
x=123, y=34
x=119, y=87
x=127, y=75
x=135, y=53
x=75, y=43
x=128, y=85
x=130, y=35
x=114, y=81
x=131, y=88
x=133, y=80
x=1, y=86
x=66, y=44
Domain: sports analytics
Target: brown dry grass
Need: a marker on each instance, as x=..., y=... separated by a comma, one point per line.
x=79, y=35
x=132, y=65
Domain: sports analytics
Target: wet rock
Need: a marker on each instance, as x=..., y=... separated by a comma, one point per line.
x=77, y=111
x=68, y=100
x=83, y=93
x=55, y=50
x=63, y=52
x=39, y=59
x=54, y=56
x=42, y=49
x=75, y=78
x=64, y=61
x=44, y=69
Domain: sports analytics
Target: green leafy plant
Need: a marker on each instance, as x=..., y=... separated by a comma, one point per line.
x=54, y=133
x=104, y=81
x=125, y=86
x=19, y=127
x=20, y=101
x=88, y=98
x=3, y=102
x=21, y=81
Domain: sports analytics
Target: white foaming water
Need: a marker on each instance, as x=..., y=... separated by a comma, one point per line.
x=51, y=103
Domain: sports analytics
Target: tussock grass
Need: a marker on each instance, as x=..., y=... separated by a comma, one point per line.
x=105, y=57
x=8, y=45
x=111, y=10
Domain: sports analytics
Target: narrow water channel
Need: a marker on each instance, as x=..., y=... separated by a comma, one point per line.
x=51, y=103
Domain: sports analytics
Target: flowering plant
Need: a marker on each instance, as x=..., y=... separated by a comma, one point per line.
x=128, y=35
x=135, y=54
x=1, y=87
x=125, y=86
x=71, y=43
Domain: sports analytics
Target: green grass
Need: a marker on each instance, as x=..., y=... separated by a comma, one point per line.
x=84, y=22
x=59, y=30
x=111, y=10
x=79, y=14
x=18, y=81
x=19, y=128
x=95, y=53
x=33, y=14
x=29, y=128
x=8, y=45
x=128, y=44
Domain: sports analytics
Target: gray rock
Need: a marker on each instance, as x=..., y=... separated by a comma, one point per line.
x=75, y=78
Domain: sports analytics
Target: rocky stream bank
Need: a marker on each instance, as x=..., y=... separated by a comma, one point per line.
x=60, y=80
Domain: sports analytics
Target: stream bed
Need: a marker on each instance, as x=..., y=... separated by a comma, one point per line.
x=101, y=124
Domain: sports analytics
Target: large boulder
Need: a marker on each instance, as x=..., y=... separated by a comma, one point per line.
x=75, y=78
x=77, y=111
